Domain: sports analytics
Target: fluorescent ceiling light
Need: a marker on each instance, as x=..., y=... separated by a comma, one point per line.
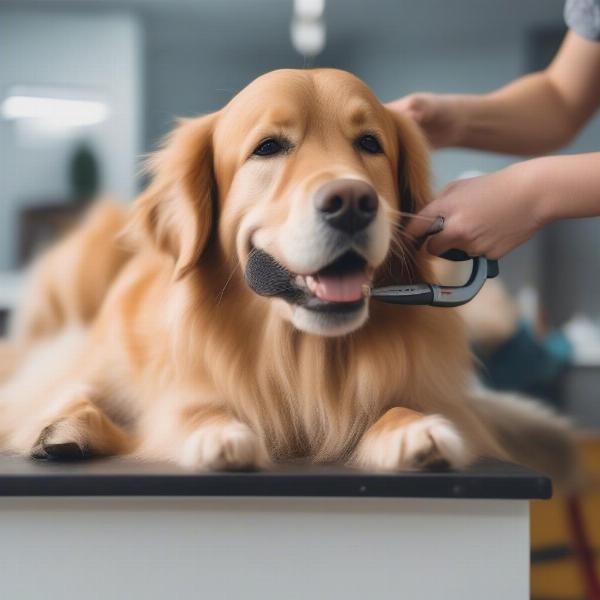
x=63, y=112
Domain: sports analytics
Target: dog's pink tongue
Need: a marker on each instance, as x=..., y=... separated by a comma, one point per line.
x=340, y=288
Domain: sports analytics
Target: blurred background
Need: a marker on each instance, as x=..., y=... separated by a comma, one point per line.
x=88, y=87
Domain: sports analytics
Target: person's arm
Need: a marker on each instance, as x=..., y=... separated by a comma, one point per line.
x=492, y=214
x=532, y=115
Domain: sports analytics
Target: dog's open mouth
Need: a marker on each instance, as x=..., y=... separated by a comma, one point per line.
x=337, y=287
x=341, y=281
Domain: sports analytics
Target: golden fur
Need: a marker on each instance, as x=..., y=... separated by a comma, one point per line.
x=179, y=360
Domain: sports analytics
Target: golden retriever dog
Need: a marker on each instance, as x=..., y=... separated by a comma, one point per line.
x=139, y=334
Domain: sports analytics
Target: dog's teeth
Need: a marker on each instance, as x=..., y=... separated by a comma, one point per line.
x=300, y=281
x=311, y=283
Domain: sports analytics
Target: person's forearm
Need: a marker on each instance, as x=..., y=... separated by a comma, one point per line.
x=526, y=117
x=537, y=113
x=561, y=187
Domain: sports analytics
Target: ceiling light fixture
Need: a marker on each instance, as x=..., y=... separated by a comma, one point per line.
x=59, y=112
x=308, y=27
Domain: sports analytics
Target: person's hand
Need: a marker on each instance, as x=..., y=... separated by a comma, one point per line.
x=439, y=116
x=484, y=216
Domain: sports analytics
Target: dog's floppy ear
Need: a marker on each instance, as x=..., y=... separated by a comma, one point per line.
x=176, y=212
x=414, y=179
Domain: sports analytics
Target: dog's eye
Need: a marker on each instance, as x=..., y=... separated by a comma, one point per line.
x=370, y=144
x=268, y=148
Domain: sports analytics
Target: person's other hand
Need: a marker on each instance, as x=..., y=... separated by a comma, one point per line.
x=484, y=216
x=439, y=116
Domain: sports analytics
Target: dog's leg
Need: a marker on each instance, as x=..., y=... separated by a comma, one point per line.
x=405, y=439
x=213, y=439
x=10, y=357
x=77, y=428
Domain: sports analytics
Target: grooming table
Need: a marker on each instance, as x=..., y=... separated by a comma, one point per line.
x=122, y=530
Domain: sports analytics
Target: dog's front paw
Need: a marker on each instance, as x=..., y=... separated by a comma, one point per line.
x=79, y=430
x=423, y=442
x=227, y=446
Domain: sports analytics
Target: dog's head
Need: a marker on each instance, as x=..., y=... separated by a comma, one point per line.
x=307, y=167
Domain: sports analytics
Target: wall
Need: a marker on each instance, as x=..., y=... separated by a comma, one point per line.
x=96, y=51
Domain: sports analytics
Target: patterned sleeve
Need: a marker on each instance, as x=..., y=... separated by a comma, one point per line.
x=583, y=17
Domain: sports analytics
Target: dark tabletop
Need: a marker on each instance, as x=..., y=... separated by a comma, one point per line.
x=118, y=477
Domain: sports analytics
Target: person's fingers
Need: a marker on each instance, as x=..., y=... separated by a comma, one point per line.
x=441, y=242
x=416, y=115
x=415, y=103
x=399, y=105
x=427, y=218
x=422, y=223
x=402, y=104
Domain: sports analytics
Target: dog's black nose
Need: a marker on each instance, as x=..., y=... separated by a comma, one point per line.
x=347, y=204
